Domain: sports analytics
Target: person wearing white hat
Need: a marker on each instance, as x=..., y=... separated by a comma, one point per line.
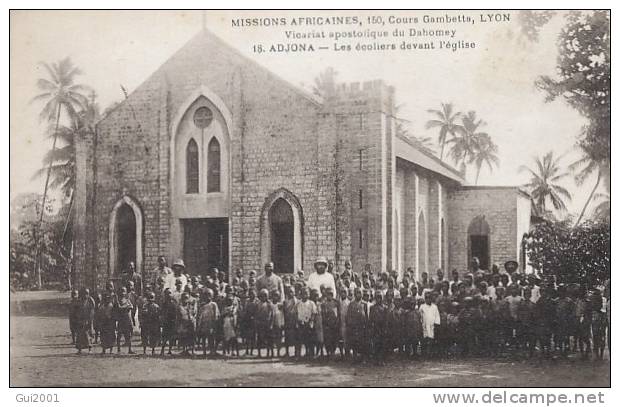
x=320, y=277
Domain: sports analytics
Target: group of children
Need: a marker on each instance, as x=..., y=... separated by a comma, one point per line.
x=366, y=317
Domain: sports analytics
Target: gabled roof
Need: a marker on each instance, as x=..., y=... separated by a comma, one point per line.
x=413, y=152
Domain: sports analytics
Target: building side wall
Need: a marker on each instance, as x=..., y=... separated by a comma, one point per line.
x=499, y=208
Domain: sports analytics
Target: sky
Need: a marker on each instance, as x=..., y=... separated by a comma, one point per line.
x=496, y=79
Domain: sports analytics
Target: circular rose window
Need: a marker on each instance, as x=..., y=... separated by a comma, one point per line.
x=203, y=116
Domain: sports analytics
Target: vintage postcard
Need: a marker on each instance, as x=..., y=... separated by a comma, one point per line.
x=311, y=198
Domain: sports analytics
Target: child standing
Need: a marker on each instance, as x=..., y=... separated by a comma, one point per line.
x=168, y=321
x=249, y=321
x=206, y=323
x=84, y=321
x=583, y=315
x=357, y=324
x=318, y=323
x=526, y=331
x=278, y=321
x=343, y=307
x=264, y=323
x=330, y=314
x=599, y=322
x=74, y=311
x=412, y=327
x=107, y=324
x=565, y=310
x=185, y=325
x=96, y=322
x=229, y=326
x=378, y=328
x=149, y=323
x=125, y=325
x=305, y=312
x=290, y=319
x=429, y=314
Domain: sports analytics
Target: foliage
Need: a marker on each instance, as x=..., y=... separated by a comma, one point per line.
x=531, y=21
x=584, y=168
x=446, y=122
x=584, y=77
x=62, y=159
x=572, y=254
x=471, y=146
x=543, y=185
x=23, y=238
x=59, y=89
x=485, y=153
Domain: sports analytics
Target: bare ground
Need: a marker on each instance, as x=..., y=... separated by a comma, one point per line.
x=41, y=355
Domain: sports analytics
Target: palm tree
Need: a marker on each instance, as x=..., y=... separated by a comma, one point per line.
x=585, y=167
x=465, y=142
x=446, y=121
x=602, y=211
x=485, y=153
x=57, y=92
x=543, y=183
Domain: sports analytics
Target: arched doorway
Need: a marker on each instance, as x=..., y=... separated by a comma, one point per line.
x=282, y=236
x=282, y=231
x=125, y=236
x=422, y=252
x=478, y=242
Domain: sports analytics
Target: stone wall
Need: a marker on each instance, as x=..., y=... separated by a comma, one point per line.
x=498, y=206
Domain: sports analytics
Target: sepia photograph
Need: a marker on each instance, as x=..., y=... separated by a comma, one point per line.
x=310, y=198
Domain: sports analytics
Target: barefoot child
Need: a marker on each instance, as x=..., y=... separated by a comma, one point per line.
x=107, y=324
x=278, y=321
x=168, y=320
x=290, y=319
x=74, y=311
x=330, y=313
x=429, y=314
x=125, y=325
x=318, y=338
x=84, y=321
x=264, y=323
x=150, y=329
x=229, y=326
x=185, y=325
x=206, y=323
x=357, y=325
x=305, y=312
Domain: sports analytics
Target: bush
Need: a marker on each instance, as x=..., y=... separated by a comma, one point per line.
x=580, y=254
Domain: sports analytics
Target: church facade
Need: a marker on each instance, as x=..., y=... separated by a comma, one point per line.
x=218, y=161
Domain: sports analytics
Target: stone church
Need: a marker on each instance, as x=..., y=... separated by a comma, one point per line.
x=216, y=160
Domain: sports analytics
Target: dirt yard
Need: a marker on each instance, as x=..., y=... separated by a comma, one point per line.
x=41, y=355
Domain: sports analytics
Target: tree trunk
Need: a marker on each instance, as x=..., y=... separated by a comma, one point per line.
x=47, y=181
x=64, y=230
x=598, y=181
x=443, y=145
x=477, y=175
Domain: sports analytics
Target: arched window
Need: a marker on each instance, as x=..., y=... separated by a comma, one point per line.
x=192, y=176
x=213, y=171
